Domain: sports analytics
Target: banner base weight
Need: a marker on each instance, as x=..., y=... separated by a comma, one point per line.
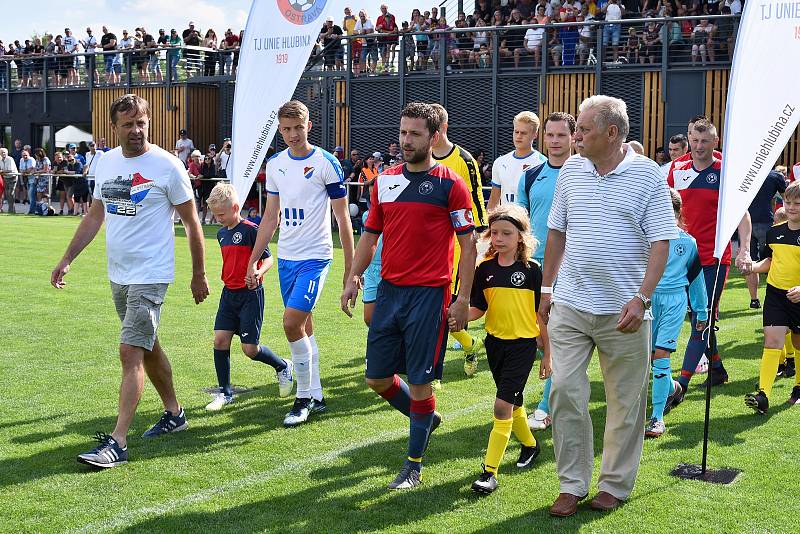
x=725, y=475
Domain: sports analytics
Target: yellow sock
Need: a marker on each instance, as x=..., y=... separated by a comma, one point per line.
x=498, y=441
x=463, y=337
x=782, y=359
x=769, y=367
x=521, y=429
x=788, y=346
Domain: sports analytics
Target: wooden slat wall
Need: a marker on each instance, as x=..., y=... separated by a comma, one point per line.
x=203, y=117
x=342, y=117
x=716, y=93
x=565, y=92
x=164, y=124
x=716, y=96
x=652, y=114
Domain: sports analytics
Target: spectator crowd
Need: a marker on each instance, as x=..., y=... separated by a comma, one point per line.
x=427, y=38
x=149, y=57
x=377, y=46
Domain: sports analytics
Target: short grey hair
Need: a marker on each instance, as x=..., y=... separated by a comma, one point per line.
x=3, y=151
x=610, y=111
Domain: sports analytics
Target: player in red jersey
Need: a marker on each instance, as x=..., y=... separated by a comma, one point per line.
x=688, y=155
x=241, y=307
x=418, y=207
x=697, y=180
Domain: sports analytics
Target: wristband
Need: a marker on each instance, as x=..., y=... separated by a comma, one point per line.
x=546, y=290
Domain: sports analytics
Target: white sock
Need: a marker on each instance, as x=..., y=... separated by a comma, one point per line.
x=301, y=358
x=316, y=384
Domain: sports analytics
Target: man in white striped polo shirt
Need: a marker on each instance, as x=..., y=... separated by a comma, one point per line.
x=610, y=226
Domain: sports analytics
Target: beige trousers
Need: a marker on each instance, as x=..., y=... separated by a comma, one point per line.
x=624, y=362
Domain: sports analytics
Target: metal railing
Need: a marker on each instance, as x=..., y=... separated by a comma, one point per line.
x=125, y=67
x=648, y=43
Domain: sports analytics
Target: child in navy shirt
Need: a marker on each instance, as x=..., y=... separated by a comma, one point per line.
x=241, y=308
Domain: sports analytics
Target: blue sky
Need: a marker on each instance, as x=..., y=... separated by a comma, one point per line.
x=53, y=16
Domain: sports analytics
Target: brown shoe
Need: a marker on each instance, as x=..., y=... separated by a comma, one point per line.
x=566, y=505
x=605, y=502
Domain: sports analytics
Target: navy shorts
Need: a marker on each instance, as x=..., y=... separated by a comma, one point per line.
x=241, y=311
x=408, y=334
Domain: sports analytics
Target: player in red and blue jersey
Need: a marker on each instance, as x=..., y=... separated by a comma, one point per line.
x=241, y=308
x=697, y=179
x=418, y=207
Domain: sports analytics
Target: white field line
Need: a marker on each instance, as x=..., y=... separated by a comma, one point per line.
x=130, y=518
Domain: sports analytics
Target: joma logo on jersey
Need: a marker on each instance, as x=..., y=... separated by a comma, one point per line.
x=293, y=216
x=308, y=172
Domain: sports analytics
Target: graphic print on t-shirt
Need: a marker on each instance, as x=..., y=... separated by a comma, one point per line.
x=122, y=194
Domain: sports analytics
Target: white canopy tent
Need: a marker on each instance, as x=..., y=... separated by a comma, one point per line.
x=71, y=134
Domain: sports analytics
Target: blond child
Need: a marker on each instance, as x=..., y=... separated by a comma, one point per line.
x=241, y=308
x=781, y=310
x=507, y=288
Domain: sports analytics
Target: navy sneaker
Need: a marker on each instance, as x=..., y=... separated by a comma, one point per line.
x=717, y=376
x=318, y=406
x=299, y=412
x=107, y=454
x=167, y=424
x=408, y=478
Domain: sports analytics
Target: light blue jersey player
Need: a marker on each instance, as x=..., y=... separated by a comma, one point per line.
x=535, y=191
x=669, y=311
x=371, y=278
x=303, y=183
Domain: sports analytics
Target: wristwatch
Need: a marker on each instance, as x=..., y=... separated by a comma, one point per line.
x=646, y=301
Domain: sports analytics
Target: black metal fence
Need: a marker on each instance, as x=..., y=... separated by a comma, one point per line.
x=681, y=42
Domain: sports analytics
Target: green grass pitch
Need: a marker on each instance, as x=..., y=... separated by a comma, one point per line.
x=239, y=470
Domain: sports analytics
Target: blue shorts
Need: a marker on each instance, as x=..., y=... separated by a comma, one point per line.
x=108, y=61
x=372, y=277
x=669, y=311
x=408, y=334
x=241, y=311
x=302, y=281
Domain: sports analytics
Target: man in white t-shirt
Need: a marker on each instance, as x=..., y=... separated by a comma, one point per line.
x=92, y=159
x=508, y=168
x=90, y=45
x=138, y=189
x=612, y=32
x=223, y=158
x=184, y=146
x=71, y=47
x=303, y=183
